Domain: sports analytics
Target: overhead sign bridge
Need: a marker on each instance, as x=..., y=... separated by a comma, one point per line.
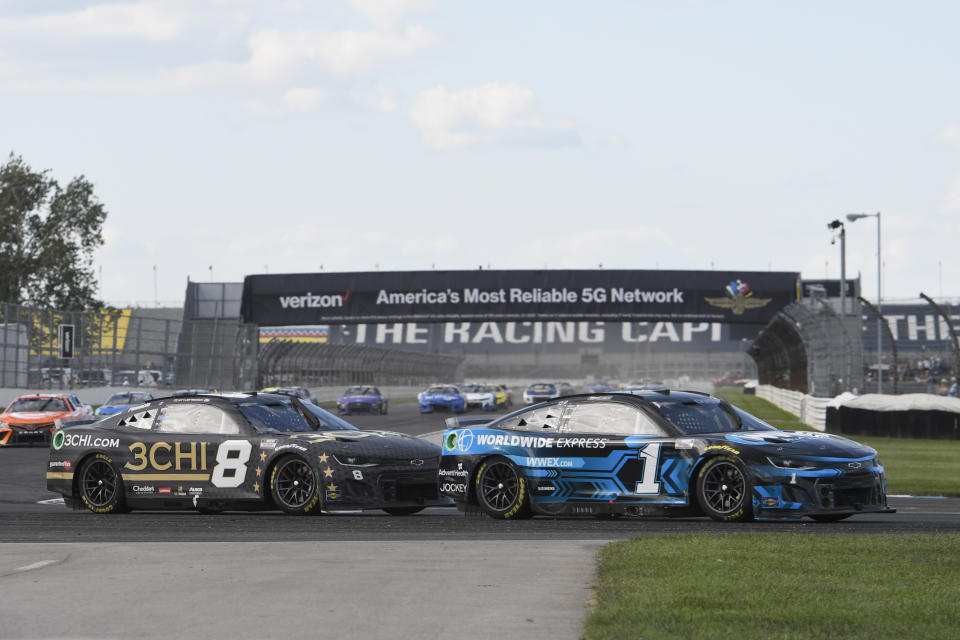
x=737, y=297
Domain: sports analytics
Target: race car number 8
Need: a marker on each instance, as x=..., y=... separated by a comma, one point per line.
x=237, y=463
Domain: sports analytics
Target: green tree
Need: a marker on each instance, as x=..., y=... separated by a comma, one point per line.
x=48, y=235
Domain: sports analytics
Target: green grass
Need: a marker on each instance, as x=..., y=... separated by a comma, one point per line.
x=778, y=586
x=914, y=467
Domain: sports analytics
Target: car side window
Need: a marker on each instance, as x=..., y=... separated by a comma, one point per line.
x=540, y=419
x=196, y=418
x=611, y=418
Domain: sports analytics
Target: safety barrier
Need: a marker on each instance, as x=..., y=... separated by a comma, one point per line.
x=811, y=410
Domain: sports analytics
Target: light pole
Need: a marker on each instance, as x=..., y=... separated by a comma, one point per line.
x=853, y=217
x=833, y=226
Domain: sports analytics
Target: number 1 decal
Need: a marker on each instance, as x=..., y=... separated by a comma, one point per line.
x=226, y=462
x=650, y=455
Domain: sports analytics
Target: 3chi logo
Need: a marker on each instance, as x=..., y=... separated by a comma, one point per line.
x=58, y=439
x=739, y=298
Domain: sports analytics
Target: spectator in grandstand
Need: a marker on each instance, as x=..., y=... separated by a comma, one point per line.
x=953, y=388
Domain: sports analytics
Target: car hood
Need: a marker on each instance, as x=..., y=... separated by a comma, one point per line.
x=360, y=398
x=378, y=443
x=803, y=443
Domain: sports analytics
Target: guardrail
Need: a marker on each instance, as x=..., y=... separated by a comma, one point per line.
x=811, y=410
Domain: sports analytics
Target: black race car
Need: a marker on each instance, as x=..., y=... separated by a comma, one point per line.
x=655, y=452
x=247, y=451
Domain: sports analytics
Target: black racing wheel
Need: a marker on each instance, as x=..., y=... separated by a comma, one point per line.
x=502, y=490
x=724, y=491
x=294, y=486
x=100, y=485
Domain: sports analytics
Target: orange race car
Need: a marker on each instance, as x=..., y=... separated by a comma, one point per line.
x=31, y=418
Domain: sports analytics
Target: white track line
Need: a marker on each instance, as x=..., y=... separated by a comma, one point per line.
x=36, y=565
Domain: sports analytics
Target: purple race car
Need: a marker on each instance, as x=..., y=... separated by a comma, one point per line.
x=362, y=398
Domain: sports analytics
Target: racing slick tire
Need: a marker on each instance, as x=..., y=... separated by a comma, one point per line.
x=724, y=491
x=100, y=485
x=832, y=517
x=294, y=486
x=403, y=511
x=502, y=490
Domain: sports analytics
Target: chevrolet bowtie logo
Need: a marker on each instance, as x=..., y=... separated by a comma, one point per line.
x=416, y=462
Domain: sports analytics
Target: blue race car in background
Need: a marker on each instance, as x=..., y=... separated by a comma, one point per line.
x=598, y=387
x=442, y=396
x=656, y=453
x=540, y=391
x=124, y=400
x=362, y=398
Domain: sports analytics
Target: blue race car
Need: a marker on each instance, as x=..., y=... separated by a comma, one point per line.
x=362, y=398
x=442, y=396
x=120, y=401
x=598, y=387
x=656, y=453
x=540, y=391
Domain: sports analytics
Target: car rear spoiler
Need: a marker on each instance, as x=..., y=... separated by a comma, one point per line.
x=456, y=422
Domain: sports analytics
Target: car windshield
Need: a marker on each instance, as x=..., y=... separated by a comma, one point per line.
x=695, y=416
x=121, y=399
x=38, y=404
x=274, y=416
x=441, y=390
x=542, y=387
x=360, y=391
x=472, y=388
x=328, y=421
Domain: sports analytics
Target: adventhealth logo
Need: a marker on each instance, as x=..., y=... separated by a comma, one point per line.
x=312, y=301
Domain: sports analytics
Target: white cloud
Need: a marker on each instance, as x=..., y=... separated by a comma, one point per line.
x=275, y=57
x=387, y=13
x=304, y=99
x=154, y=21
x=296, y=100
x=950, y=136
x=491, y=114
x=278, y=53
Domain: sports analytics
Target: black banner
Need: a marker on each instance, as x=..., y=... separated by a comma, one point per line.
x=438, y=296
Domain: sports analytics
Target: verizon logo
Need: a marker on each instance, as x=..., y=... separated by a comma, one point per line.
x=312, y=301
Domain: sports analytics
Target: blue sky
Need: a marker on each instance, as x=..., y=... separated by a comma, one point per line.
x=408, y=134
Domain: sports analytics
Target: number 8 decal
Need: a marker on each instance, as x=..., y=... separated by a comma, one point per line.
x=226, y=462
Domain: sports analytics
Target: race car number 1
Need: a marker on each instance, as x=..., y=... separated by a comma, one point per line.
x=232, y=455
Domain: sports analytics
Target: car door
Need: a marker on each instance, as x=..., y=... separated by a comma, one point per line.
x=195, y=449
x=622, y=453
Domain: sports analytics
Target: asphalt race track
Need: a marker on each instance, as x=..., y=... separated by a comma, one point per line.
x=434, y=574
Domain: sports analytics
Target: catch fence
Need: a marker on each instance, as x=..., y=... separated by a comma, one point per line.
x=134, y=347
